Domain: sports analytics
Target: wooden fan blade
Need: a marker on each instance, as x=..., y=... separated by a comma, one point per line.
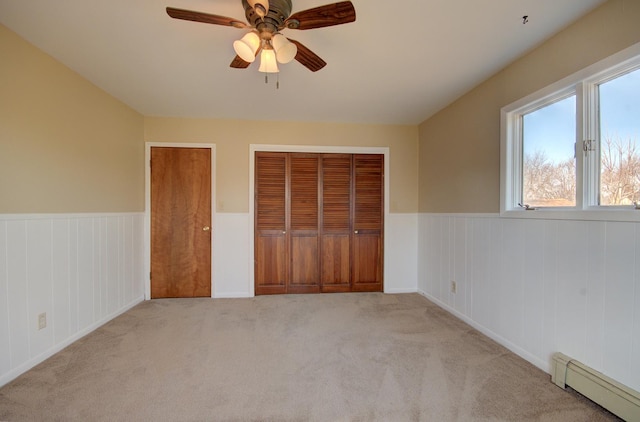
x=320, y=17
x=189, y=15
x=238, y=63
x=308, y=58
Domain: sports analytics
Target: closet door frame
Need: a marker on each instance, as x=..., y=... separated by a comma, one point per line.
x=253, y=148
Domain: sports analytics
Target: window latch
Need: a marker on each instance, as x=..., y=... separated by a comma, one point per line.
x=588, y=145
x=526, y=207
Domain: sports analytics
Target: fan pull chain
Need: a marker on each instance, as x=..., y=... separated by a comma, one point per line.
x=266, y=79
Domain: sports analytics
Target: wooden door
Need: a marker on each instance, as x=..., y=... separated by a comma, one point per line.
x=303, y=239
x=336, y=223
x=270, y=248
x=180, y=222
x=368, y=220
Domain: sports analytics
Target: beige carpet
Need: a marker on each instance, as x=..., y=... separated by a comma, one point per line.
x=338, y=357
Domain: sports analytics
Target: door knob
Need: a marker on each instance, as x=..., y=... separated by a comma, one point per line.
x=206, y=228
x=356, y=232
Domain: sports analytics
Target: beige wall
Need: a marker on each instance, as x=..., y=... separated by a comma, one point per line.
x=233, y=137
x=460, y=145
x=65, y=145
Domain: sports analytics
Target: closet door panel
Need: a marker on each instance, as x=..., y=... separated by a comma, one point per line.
x=336, y=260
x=303, y=234
x=270, y=223
x=304, y=264
x=271, y=266
x=368, y=217
x=367, y=263
x=336, y=222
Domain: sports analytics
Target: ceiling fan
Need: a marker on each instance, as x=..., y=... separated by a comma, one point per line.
x=266, y=19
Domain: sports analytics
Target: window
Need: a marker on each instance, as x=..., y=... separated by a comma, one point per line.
x=619, y=144
x=575, y=146
x=549, y=158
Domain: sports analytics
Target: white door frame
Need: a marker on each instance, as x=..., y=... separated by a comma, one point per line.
x=147, y=206
x=253, y=148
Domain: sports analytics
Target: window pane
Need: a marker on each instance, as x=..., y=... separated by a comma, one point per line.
x=548, y=162
x=619, y=130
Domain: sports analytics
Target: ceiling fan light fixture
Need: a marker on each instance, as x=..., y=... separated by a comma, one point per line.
x=247, y=46
x=268, y=63
x=260, y=6
x=285, y=49
x=264, y=19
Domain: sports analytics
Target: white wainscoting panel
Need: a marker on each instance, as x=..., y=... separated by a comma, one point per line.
x=80, y=269
x=401, y=257
x=540, y=286
x=233, y=253
x=231, y=261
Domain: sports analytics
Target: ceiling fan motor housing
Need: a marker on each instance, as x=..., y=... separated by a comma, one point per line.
x=279, y=11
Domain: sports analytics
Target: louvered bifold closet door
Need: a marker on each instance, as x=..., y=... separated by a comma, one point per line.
x=271, y=252
x=304, y=263
x=336, y=223
x=368, y=218
x=318, y=222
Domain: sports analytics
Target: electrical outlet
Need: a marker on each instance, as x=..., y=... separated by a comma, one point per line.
x=42, y=321
x=454, y=287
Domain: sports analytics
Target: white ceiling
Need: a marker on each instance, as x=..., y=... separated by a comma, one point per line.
x=399, y=63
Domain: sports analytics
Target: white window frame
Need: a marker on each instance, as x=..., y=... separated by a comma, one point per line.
x=584, y=84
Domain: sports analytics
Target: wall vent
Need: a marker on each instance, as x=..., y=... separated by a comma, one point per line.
x=608, y=393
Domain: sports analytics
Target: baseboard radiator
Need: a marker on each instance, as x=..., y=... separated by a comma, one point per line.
x=608, y=393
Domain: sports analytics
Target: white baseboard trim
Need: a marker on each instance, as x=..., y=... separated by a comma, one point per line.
x=239, y=295
x=545, y=366
x=16, y=372
x=399, y=291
